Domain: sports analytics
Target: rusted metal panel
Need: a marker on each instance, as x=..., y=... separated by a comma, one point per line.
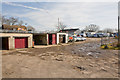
x=53, y=38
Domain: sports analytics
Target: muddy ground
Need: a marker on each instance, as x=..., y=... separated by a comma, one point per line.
x=77, y=60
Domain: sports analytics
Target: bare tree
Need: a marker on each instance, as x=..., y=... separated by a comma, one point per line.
x=13, y=20
x=0, y=19
x=108, y=30
x=92, y=28
x=9, y=21
x=30, y=28
x=3, y=20
x=61, y=26
x=20, y=23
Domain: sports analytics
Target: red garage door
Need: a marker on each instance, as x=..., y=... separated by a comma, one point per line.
x=21, y=42
x=53, y=38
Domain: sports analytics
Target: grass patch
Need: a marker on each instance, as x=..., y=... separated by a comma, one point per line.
x=110, y=46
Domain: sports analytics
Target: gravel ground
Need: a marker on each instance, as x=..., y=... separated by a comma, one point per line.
x=78, y=60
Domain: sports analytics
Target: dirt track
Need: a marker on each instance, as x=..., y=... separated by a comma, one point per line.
x=78, y=60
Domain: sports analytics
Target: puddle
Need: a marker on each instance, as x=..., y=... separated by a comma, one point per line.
x=24, y=52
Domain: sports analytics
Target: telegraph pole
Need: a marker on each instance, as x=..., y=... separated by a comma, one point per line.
x=118, y=32
x=58, y=24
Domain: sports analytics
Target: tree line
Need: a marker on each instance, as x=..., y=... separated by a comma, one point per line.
x=60, y=26
x=14, y=21
x=95, y=28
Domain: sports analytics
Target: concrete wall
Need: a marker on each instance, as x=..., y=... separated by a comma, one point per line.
x=47, y=39
x=11, y=38
x=66, y=36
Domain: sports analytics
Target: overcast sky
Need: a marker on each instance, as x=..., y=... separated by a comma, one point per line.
x=44, y=15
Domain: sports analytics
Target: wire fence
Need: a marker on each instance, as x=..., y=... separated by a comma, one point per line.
x=108, y=40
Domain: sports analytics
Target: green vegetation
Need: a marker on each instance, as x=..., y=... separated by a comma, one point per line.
x=113, y=46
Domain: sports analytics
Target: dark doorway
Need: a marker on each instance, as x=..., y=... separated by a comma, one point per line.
x=40, y=39
x=37, y=39
x=50, y=39
x=60, y=39
x=63, y=38
x=5, y=43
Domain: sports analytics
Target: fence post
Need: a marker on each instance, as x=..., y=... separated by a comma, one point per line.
x=118, y=32
x=109, y=40
x=101, y=41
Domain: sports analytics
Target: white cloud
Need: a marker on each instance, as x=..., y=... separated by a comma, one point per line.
x=61, y=0
x=33, y=8
x=72, y=14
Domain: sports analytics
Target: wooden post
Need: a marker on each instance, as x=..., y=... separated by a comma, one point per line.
x=109, y=40
x=101, y=41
